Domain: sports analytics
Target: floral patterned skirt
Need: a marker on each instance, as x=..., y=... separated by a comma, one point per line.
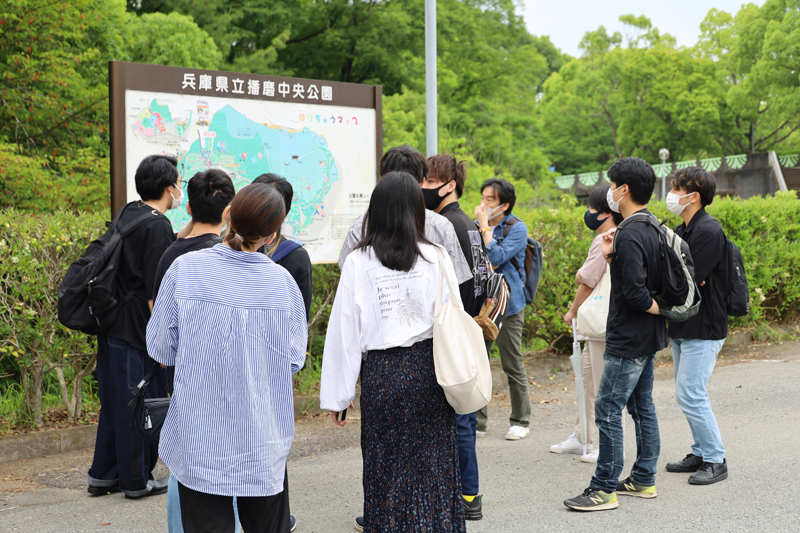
x=412, y=482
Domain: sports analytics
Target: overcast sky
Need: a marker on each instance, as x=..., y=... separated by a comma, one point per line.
x=565, y=21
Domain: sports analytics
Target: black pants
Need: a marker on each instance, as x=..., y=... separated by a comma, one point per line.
x=208, y=513
x=117, y=457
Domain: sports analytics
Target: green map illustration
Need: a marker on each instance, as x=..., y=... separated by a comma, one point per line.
x=246, y=149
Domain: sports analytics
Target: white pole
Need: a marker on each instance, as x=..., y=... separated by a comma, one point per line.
x=431, y=120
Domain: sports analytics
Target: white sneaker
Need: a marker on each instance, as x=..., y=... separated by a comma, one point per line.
x=479, y=433
x=571, y=445
x=517, y=433
x=590, y=457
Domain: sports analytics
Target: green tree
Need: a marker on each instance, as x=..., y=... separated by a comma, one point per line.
x=757, y=54
x=631, y=101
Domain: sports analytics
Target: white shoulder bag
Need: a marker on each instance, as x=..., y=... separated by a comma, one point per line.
x=593, y=313
x=459, y=352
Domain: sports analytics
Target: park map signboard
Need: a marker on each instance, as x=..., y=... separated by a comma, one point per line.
x=324, y=137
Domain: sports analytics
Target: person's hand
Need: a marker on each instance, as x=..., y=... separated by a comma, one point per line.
x=607, y=245
x=335, y=416
x=569, y=317
x=482, y=216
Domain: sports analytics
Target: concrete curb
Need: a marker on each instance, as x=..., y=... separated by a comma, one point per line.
x=29, y=445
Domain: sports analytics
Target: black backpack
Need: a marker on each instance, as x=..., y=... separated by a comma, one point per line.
x=733, y=281
x=533, y=264
x=679, y=298
x=87, y=296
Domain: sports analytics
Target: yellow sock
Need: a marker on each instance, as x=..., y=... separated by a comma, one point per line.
x=469, y=498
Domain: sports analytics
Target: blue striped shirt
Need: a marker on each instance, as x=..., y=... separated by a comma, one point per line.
x=234, y=326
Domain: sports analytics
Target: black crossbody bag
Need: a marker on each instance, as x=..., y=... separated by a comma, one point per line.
x=148, y=413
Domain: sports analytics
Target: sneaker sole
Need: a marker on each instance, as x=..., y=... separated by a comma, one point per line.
x=683, y=470
x=592, y=460
x=473, y=515
x=603, y=507
x=102, y=491
x=646, y=495
x=515, y=437
x=568, y=452
x=711, y=481
x=358, y=528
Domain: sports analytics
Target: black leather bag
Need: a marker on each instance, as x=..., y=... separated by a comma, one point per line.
x=148, y=413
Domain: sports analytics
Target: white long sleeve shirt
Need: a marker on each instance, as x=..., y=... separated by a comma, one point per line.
x=375, y=309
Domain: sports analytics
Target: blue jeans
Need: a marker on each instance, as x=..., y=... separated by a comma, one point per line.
x=626, y=382
x=121, y=454
x=467, y=456
x=694, y=361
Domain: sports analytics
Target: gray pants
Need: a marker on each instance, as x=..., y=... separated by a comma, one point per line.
x=509, y=342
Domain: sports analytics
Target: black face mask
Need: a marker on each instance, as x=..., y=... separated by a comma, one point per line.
x=591, y=220
x=432, y=198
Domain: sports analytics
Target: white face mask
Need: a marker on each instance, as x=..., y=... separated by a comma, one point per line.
x=176, y=202
x=673, y=203
x=492, y=211
x=614, y=206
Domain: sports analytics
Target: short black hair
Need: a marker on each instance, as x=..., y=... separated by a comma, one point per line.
x=405, y=159
x=695, y=179
x=156, y=172
x=637, y=174
x=504, y=191
x=210, y=192
x=281, y=184
x=599, y=202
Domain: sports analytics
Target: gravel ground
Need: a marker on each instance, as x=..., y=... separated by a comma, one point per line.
x=755, y=392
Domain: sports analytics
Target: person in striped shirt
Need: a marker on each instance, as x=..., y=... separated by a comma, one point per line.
x=233, y=324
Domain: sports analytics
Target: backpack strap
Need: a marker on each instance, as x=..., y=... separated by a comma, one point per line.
x=637, y=217
x=128, y=229
x=283, y=249
x=513, y=260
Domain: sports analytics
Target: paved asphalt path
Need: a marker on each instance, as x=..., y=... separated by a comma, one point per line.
x=757, y=402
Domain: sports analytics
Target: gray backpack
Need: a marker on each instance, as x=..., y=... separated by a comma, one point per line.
x=679, y=297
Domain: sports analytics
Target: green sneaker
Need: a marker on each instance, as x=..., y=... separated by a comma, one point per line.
x=631, y=488
x=593, y=500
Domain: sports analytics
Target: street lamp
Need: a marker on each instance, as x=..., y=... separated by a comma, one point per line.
x=663, y=154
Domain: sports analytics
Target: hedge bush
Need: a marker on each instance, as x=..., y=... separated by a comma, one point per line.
x=36, y=250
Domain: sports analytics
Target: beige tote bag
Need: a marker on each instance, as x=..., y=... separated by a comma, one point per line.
x=593, y=313
x=459, y=352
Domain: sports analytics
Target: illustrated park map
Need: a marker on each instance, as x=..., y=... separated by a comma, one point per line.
x=327, y=153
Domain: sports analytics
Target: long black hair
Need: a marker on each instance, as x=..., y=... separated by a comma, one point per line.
x=395, y=222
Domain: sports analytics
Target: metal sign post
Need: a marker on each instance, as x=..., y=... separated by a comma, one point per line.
x=431, y=119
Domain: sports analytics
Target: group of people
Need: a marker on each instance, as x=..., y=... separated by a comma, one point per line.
x=220, y=311
x=618, y=371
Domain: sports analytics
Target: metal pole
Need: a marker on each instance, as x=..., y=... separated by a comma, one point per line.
x=664, y=180
x=431, y=120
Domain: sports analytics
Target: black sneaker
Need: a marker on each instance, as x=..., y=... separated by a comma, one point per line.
x=690, y=463
x=102, y=491
x=593, y=500
x=360, y=524
x=473, y=510
x=292, y=524
x=709, y=473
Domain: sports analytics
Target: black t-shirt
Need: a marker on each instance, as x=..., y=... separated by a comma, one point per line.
x=635, y=268
x=706, y=242
x=177, y=249
x=141, y=252
x=298, y=264
x=473, y=291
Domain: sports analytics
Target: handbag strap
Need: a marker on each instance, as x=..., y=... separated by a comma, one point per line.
x=438, y=306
